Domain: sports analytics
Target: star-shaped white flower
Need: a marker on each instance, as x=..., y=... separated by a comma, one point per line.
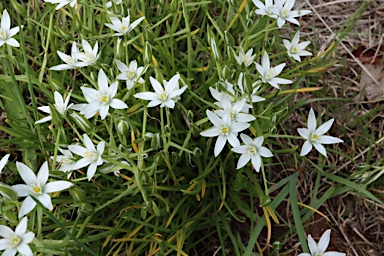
x=226, y=129
x=315, y=137
x=124, y=26
x=66, y=161
x=269, y=74
x=91, y=156
x=71, y=61
x=3, y=162
x=6, y=33
x=283, y=9
x=62, y=3
x=130, y=74
x=89, y=56
x=100, y=100
x=246, y=58
x=252, y=150
x=16, y=241
x=166, y=96
x=318, y=249
x=265, y=9
x=60, y=105
x=296, y=49
x=37, y=187
x=235, y=109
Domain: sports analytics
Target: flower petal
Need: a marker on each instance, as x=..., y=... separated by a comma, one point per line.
x=311, y=121
x=21, y=228
x=307, y=147
x=220, y=143
x=324, y=241
x=27, y=206
x=243, y=160
x=42, y=176
x=56, y=186
x=26, y=173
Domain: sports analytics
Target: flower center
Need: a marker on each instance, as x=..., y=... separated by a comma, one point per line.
x=3, y=34
x=294, y=49
x=131, y=74
x=90, y=155
x=315, y=137
x=104, y=99
x=284, y=14
x=69, y=60
x=123, y=28
x=270, y=74
x=36, y=189
x=15, y=241
x=252, y=151
x=224, y=131
x=163, y=96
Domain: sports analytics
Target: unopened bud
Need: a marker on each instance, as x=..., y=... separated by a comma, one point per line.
x=123, y=127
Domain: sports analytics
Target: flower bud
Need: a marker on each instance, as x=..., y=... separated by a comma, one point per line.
x=78, y=194
x=156, y=141
x=123, y=127
x=8, y=192
x=118, y=49
x=229, y=38
x=147, y=53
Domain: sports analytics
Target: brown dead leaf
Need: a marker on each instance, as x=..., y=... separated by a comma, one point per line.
x=372, y=55
x=372, y=91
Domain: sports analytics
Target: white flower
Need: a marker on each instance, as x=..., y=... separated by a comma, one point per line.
x=252, y=150
x=246, y=58
x=314, y=137
x=319, y=249
x=283, y=9
x=166, y=96
x=60, y=105
x=91, y=156
x=71, y=61
x=245, y=92
x=236, y=110
x=16, y=241
x=66, y=160
x=268, y=74
x=36, y=186
x=225, y=129
x=100, y=100
x=130, y=74
x=265, y=9
x=6, y=33
x=62, y=3
x=89, y=56
x=296, y=49
x=3, y=162
x=123, y=27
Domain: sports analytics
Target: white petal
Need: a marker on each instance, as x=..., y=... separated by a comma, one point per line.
x=45, y=200
x=28, y=237
x=88, y=143
x=256, y=162
x=146, y=95
x=243, y=160
x=172, y=84
x=5, y=20
x=233, y=140
x=103, y=111
x=243, y=149
x=102, y=81
x=307, y=147
x=212, y=132
x=24, y=249
x=21, y=189
x=312, y=121
x=329, y=140
x=78, y=150
x=56, y=186
x=4, y=161
x=156, y=85
x=21, y=228
x=215, y=119
x=320, y=148
x=220, y=143
x=27, y=206
x=118, y=104
x=26, y=173
x=91, y=171
x=324, y=241
x=42, y=176
x=265, y=152
x=258, y=141
x=324, y=127
x=121, y=66
x=304, y=132
x=10, y=252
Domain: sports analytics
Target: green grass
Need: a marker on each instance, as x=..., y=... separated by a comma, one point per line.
x=176, y=198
